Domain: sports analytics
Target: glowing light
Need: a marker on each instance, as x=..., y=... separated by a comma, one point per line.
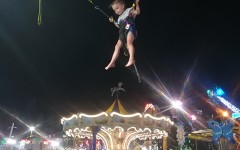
x=73, y=116
x=17, y=118
x=11, y=141
x=235, y=115
x=177, y=104
x=210, y=92
x=77, y=129
x=25, y=141
x=103, y=139
x=229, y=105
x=138, y=130
x=46, y=142
x=111, y=140
x=116, y=127
x=143, y=134
x=225, y=114
x=93, y=116
x=159, y=118
x=219, y=92
x=128, y=139
x=125, y=133
x=55, y=143
x=69, y=133
x=131, y=133
x=193, y=117
x=31, y=128
x=134, y=128
x=127, y=116
x=144, y=148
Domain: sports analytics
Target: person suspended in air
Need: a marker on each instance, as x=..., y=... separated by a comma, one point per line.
x=127, y=30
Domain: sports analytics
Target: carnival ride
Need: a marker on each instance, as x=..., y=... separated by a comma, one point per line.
x=225, y=134
x=118, y=130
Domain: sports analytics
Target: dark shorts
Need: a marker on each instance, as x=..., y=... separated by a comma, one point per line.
x=123, y=34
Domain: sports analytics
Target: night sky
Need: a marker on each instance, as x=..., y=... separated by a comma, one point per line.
x=57, y=69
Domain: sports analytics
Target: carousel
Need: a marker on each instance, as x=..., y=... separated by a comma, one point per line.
x=118, y=130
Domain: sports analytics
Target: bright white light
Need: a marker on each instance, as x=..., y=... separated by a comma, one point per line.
x=55, y=143
x=11, y=141
x=126, y=116
x=159, y=118
x=144, y=148
x=177, y=104
x=45, y=142
x=193, y=117
x=31, y=128
x=93, y=116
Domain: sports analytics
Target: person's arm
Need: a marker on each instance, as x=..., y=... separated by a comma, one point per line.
x=111, y=19
x=136, y=11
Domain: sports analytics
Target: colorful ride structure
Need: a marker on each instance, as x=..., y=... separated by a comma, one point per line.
x=117, y=130
x=226, y=133
x=216, y=139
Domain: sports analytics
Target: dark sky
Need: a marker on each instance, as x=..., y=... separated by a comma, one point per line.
x=57, y=69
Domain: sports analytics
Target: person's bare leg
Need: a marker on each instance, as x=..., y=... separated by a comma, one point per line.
x=115, y=55
x=131, y=49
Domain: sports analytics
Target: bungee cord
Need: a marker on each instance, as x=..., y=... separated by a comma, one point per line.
x=39, y=12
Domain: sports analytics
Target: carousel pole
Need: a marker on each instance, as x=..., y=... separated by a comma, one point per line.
x=117, y=91
x=95, y=130
x=164, y=142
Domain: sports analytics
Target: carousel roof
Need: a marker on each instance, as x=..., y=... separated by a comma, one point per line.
x=116, y=107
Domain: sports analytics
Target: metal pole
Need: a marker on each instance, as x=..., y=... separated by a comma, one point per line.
x=196, y=144
x=136, y=70
x=31, y=140
x=11, y=130
x=10, y=134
